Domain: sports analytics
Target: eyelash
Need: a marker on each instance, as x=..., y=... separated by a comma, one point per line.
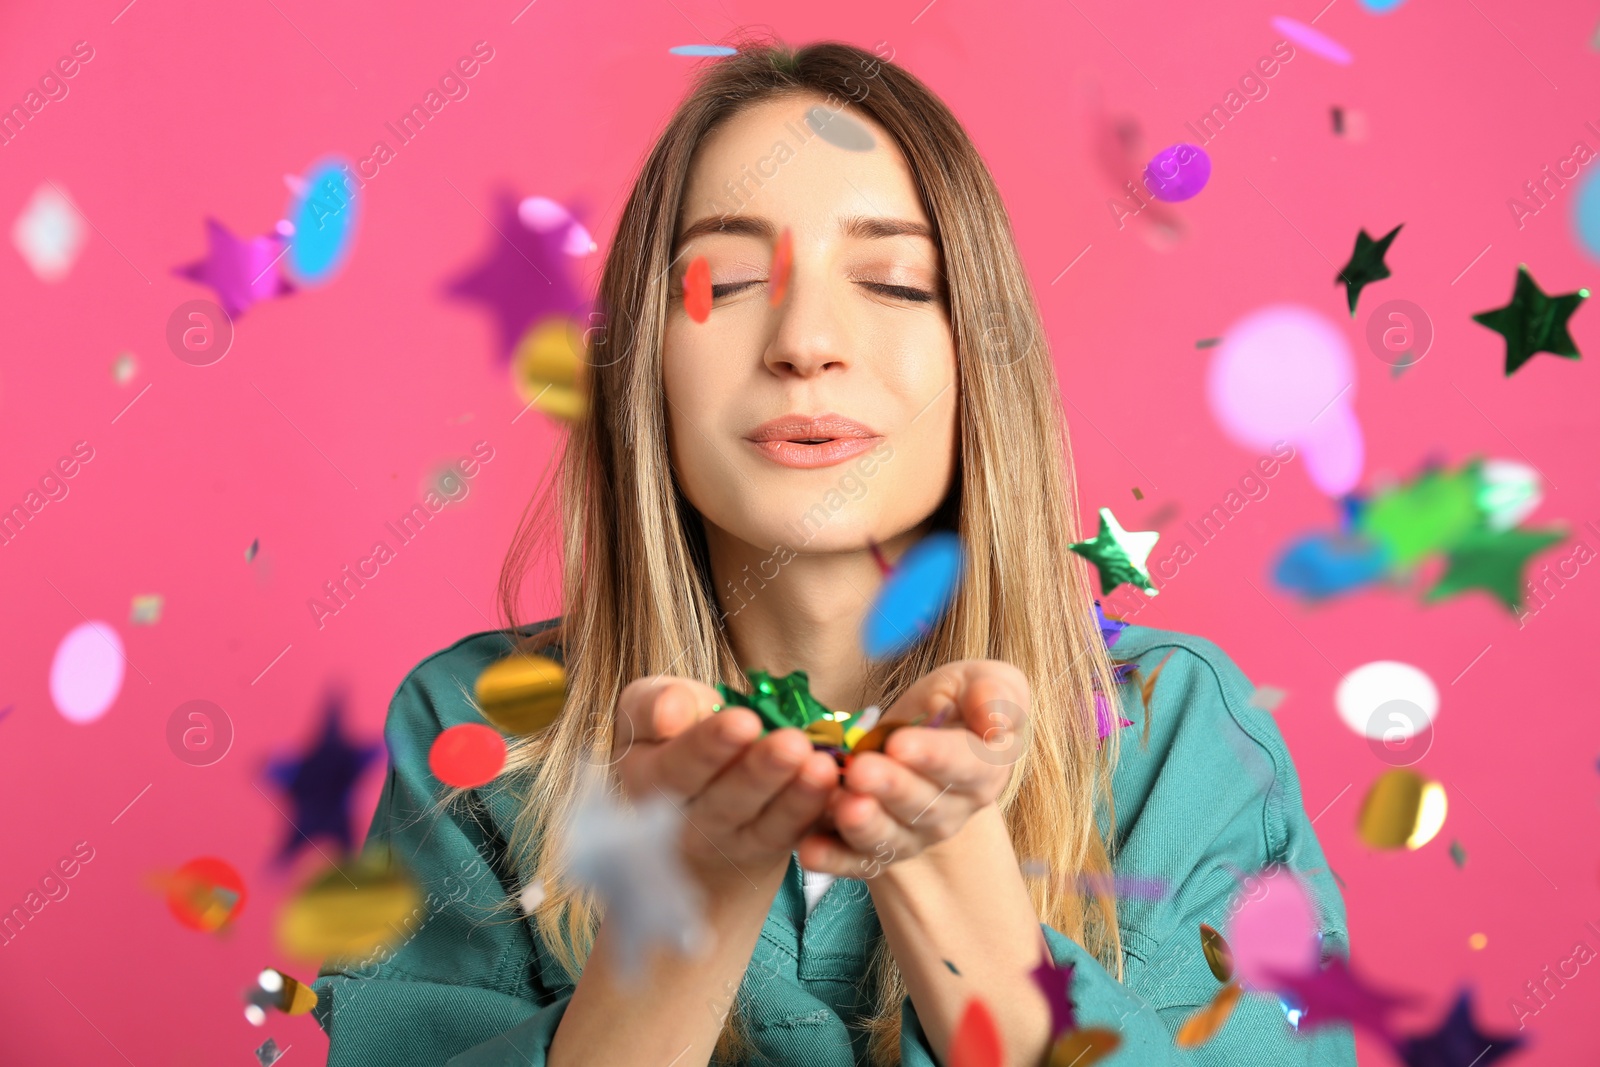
x=903, y=292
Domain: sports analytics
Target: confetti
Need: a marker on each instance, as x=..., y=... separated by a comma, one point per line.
x=1080, y=1048
x=87, y=671
x=351, y=913
x=1284, y=373
x=319, y=783
x=547, y=368
x=697, y=289
x=952, y=967
x=543, y=215
x=629, y=858
x=1119, y=555
x=1335, y=994
x=1508, y=492
x=1149, y=685
x=840, y=130
x=241, y=272
x=250, y=553
x=1586, y=214
x=1203, y=1025
x=124, y=368
x=1379, y=7
x=1458, y=855
x=531, y=897
x=521, y=694
x=1402, y=808
x=1534, y=322
x=702, y=50
x=145, y=610
x=914, y=596
x=324, y=215
x=1366, y=265
x=1493, y=561
x=1457, y=1042
x=1273, y=931
x=782, y=267
x=1178, y=172
x=1208, y=342
x=1406, y=695
x=1321, y=565
x=49, y=234
x=278, y=991
x=204, y=894
x=467, y=755
x=1219, y=957
x=976, y=1042
x=1478, y=942
x=1267, y=697
x=1312, y=41
x=269, y=1053
x=1137, y=495
x=1056, y=985
x=1338, y=120
x=1429, y=514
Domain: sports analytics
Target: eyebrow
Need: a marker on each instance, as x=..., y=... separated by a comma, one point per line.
x=860, y=227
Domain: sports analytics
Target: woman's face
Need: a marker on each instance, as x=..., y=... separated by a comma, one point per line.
x=862, y=335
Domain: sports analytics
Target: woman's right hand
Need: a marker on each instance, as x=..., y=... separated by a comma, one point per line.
x=748, y=799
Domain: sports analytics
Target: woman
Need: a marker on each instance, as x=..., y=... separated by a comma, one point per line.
x=721, y=504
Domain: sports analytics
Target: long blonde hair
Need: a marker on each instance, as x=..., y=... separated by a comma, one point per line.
x=637, y=592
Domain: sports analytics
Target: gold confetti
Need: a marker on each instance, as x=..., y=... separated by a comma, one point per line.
x=1137, y=495
x=1477, y=942
x=825, y=732
x=1150, y=683
x=522, y=694
x=1219, y=957
x=1203, y=1025
x=289, y=996
x=547, y=368
x=347, y=915
x=1080, y=1048
x=1402, y=808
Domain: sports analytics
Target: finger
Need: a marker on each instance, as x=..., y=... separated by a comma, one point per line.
x=920, y=803
x=865, y=827
x=661, y=706
x=736, y=795
x=799, y=805
x=986, y=694
x=687, y=763
x=954, y=759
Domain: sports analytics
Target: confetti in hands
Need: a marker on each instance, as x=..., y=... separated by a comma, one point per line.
x=630, y=859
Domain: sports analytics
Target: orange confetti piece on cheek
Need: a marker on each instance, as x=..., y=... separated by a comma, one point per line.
x=782, y=267
x=697, y=290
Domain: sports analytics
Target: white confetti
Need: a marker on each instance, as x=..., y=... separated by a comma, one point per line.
x=532, y=896
x=49, y=234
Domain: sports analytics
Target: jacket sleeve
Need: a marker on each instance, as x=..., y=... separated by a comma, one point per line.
x=463, y=984
x=1210, y=801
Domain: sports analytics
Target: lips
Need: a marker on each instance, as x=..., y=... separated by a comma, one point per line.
x=812, y=441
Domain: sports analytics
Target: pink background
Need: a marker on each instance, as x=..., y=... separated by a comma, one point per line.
x=192, y=109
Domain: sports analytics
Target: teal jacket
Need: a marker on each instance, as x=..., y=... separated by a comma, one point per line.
x=1211, y=799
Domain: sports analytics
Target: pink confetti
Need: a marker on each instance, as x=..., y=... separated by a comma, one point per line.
x=1312, y=41
x=1273, y=933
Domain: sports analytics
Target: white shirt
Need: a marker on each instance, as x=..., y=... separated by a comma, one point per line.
x=815, y=884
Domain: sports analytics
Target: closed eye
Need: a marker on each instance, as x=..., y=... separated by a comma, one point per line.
x=902, y=292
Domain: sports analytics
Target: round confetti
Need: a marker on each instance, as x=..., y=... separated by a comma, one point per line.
x=205, y=894
x=1178, y=173
x=697, y=289
x=542, y=215
x=324, y=217
x=1334, y=450
x=1274, y=931
x=521, y=694
x=840, y=130
x=86, y=674
x=1478, y=942
x=351, y=913
x=1312, y=41
x=1586, y=214
x=1402, y=808
x=1379, y=686
x=1380, y=7
x=915, y=595
x=547, y=368
x=467, y=755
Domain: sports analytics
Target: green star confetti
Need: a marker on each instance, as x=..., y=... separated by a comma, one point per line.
x=1366, y=265
x=1119, y=555
x=1427, y=515
x=1534, y=322
x=1493, y=560
x=779, y=702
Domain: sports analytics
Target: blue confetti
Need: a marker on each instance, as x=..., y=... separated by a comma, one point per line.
x=1322, y=565
x=702, y=50
x=324, y=216
x=915, y=596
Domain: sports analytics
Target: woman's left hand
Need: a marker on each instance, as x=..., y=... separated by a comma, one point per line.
x=927, y=782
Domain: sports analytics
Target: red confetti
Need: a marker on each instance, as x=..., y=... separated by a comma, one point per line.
x=697, y=290
x=977, y=1040
x=782, y=267
x=467, y=755
x=205, y=893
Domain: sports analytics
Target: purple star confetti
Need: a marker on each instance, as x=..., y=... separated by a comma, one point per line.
x=241, y=273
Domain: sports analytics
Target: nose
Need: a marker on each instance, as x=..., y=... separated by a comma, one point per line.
x=808, y=337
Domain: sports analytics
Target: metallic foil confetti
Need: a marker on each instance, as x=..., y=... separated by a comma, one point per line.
x=1267, y=697
x=521, y=694
x=547, y=368
x=1458, y=1042
x=1219, y=957
x=240, y=272
x=204, y=894
x=319, y=782
x=347, y=914
x=1203, y=1025
x=277, y=991
x=1534, y=322
x=697, y=289
x=269, y=1053
x=1366, y=265
x=1401, y=808
x=1081, y=1048
x=1119, y=555
x=914, y=596
x=1335, y=993
x=145, y=610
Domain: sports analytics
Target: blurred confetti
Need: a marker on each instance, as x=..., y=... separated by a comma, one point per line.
x=702, y=50
x=124, y=368
x=269, y=1053
x=350, y=913
x=49, y=234
x=521, y=694
x=1312, y=41
x=1219, y=957
x=86, y=672
x=1478, y=942
x=546, y=216
x=1203, y=1025
x=241, y=272
x=319, y=782
x=1402, y=808
x=277, y=991
x=914, y=596
x=250, y=553
x=1458, y=855
x=1273, y=932
x=324, y=216
x=1178, y=172
x=976, y=1042
x=1335, y=993
x=1083, y=1047
x=840, y=130
x=1056, y=985
x=697, y=294
x=1370, y=687
x=204, y=894
x=467, y=755
x=531, y=897
x=547, y=368
x=145, y=610
x=1267, y=697
x=1457, y=1042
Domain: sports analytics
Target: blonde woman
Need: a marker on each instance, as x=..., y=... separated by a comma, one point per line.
x=718, y=508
